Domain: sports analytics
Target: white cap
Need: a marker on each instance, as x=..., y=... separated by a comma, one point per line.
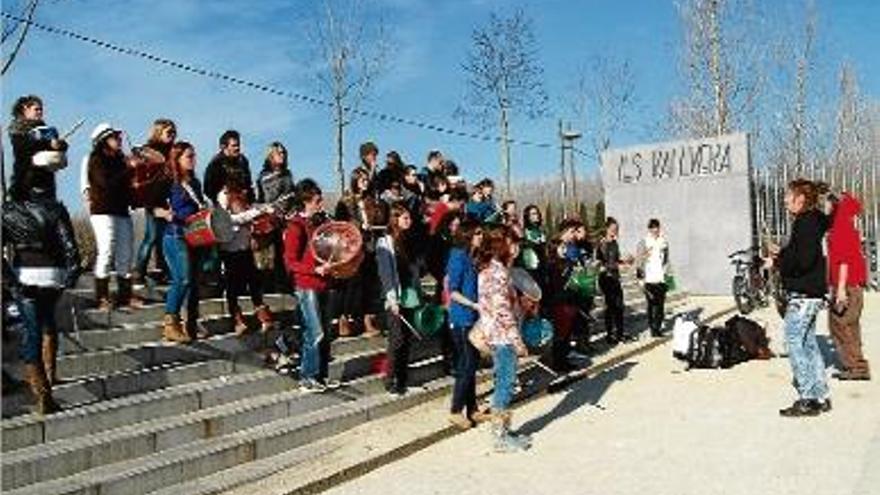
x=101, y=132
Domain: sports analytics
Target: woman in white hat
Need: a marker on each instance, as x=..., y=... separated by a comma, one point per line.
x=108, y=195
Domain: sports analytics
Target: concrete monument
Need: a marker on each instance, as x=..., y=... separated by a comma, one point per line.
x=700, y=192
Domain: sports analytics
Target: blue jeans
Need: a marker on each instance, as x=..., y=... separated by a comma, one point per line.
x=184, y=284
x=312, y=334
x=37, y=306
x=807, y=365
x=466, y=357
x=154, y=227
x=504, y=358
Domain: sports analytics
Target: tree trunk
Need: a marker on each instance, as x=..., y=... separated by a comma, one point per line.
x=505, y=151
x=340, y=128
x=717, y=76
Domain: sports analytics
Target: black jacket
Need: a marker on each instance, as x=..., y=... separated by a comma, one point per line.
x=109, y=184
x=41, y=235
x=802, y=262
x=220, y=168
x=24, y=147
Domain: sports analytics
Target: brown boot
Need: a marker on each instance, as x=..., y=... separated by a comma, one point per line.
x=345, y=327
x=172, y=330
x=36, y=378
x=370, y=328
x=264, y=315
x=126, y=297
x=239, y=324
x=50, y=352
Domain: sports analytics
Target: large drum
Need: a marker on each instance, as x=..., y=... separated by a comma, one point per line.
x=339, y=243
x=208, y=227
x=536, y=332
x=150, y=177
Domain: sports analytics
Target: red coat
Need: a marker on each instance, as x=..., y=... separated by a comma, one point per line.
x=299, y=257
x=844, y=243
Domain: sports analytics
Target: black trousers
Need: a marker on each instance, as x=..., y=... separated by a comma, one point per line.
x=399, y=340
x=656, y=298
x=613, y=293
x=241, y=276
x=467, y=358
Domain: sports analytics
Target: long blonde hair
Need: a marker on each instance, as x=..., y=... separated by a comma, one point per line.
x=159, y=126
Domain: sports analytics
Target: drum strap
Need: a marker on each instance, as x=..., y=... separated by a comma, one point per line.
x=192, y=194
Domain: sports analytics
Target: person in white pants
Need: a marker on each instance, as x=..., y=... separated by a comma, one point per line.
x=105, y=182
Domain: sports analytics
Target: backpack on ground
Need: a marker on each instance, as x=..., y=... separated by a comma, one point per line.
x=703, y=350
x=730, y=347
x=752, y=337
x=681, y=337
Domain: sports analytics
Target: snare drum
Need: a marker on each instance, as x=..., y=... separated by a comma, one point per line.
x=208, y=227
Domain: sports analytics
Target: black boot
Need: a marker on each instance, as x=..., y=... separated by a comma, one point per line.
x=102, y=294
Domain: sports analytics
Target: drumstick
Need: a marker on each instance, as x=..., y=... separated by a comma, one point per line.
x=412, y=329
x=73, y=129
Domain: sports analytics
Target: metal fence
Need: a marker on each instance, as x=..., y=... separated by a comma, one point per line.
x=772, y=222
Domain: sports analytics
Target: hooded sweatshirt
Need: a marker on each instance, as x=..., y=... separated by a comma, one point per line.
x=844, y=243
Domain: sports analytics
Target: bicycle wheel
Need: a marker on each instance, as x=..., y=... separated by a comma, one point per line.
x=740, y=289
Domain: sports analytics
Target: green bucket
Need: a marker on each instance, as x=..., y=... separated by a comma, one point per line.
x=428, y=319
x=670, y=282
x=582, y=282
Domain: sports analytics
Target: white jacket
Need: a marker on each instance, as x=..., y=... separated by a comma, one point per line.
x=656, y=252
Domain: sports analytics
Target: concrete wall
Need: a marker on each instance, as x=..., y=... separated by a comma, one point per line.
x=699, y=190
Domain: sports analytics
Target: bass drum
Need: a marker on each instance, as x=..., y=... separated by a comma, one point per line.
x=208, y=227
x=524, y=283
x=339, y=243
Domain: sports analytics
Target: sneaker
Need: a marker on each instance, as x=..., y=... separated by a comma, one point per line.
x=331, y=384
x=310, y=385
x=509, y=444
x=825, y=406
x=801, y=408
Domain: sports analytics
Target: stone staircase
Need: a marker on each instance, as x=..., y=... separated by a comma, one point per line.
x=145, y=417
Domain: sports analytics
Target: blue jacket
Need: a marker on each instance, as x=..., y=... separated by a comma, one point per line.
x=480, y=211
x=461, y=277
x=182, y=206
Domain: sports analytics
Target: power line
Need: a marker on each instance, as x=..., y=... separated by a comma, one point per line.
x=291, y=95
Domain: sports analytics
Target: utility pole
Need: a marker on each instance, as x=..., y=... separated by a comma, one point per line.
x=568, y=139
x=562, y=187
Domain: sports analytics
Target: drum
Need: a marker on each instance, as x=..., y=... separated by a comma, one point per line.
x=428, y=319
x=43, y=133
x=409, y=298
x=582, y=282
x=530, y=259
x=536, y=332
x=339, y=243
x=523, y=282
x=208, y=227
x=150, y=177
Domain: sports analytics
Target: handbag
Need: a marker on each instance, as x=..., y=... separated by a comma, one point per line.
x=478, y=339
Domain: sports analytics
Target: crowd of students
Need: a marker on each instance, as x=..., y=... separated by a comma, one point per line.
x=415, y=223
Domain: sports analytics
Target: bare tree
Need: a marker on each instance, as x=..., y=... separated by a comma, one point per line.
x=504, y=78
x=352, y=49
x=724, y=61
x=602, y=99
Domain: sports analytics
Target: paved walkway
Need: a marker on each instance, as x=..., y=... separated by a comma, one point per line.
x=649, y=427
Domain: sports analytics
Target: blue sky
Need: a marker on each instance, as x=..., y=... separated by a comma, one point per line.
x=266, y=41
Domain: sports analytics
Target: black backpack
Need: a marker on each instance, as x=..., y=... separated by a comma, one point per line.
x=704, y=350
x=752, y=337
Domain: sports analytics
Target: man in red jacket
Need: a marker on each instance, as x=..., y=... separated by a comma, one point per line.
x=848, y=276
x=310, y=282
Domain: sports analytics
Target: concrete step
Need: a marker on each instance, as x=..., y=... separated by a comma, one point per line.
x=131, y=334
x=29, y=430
x=94, y=318
x=99, y=388
x=352, y=358
x=156, y=457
